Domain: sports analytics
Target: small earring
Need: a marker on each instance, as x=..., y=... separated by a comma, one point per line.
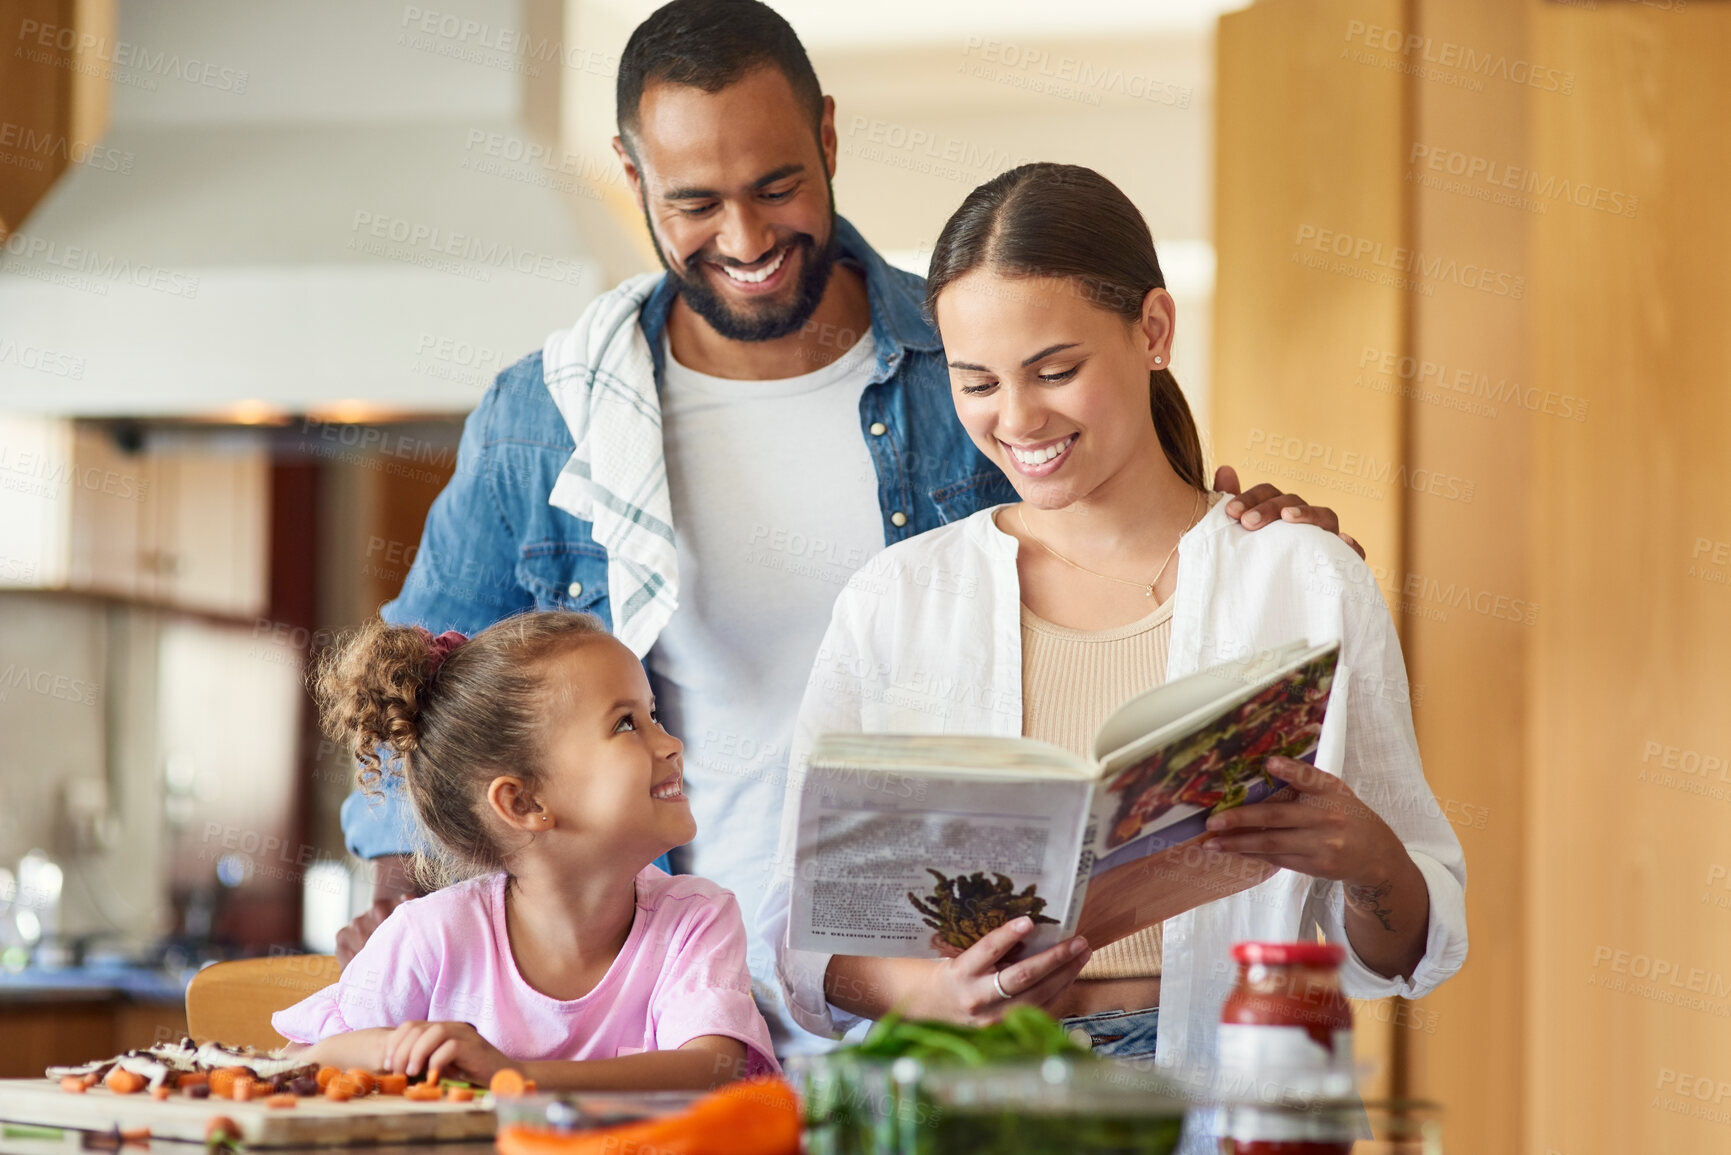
x=1156, y=359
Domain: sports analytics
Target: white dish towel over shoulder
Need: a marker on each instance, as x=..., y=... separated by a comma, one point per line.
x=602, y=378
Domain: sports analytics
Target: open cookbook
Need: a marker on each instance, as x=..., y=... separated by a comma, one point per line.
x=914, y=846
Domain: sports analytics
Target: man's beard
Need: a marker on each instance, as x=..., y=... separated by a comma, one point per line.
x=768, y=321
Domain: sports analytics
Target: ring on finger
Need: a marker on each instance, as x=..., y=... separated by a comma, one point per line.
x=998, y=985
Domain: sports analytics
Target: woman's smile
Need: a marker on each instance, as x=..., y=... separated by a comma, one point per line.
x=1041, y=458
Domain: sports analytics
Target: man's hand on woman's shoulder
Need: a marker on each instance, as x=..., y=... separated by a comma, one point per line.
x=1263, y=504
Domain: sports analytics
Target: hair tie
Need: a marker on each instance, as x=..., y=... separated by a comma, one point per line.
x=439, y=648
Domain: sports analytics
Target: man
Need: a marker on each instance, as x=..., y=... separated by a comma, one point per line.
x=707, y=455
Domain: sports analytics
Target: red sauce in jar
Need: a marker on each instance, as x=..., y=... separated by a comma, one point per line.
x=1291, y=984
x=1286, y=1029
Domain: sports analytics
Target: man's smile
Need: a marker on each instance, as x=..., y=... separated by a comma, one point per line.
x=760, y=276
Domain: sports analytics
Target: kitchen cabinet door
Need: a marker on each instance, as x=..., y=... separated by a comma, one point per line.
x=184, y=522
x=211, y=539
x=113, y=496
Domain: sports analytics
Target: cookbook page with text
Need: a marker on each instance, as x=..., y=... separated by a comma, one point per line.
x=921, y=866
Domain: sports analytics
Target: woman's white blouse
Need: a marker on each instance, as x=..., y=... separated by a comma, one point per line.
x=927, y=639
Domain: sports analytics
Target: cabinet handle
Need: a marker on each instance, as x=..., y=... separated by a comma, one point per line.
x=160, y=562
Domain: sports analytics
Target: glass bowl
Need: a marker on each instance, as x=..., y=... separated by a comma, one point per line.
x=588, y=1110
x=1055, y=1106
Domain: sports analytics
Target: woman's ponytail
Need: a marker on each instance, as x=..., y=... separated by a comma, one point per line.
x=1176, y=427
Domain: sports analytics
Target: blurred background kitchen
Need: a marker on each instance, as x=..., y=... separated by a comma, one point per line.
x=1455, y=267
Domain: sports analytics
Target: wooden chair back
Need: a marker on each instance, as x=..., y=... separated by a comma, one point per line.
x=232, y=1002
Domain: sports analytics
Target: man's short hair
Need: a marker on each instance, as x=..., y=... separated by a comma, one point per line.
x=710, y=44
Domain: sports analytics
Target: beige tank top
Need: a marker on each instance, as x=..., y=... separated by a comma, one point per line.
x=1072, y=680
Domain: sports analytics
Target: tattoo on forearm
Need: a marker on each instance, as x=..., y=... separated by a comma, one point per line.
x=1369, y=899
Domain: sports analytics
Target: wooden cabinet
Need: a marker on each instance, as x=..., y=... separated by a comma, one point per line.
x=1372, y=309
x=110, y=513
x=1544, y=238
x=77, y=1027
x=182, y=522
x=55, y=89
x=211, y=530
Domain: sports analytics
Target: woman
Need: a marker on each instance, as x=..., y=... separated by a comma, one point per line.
x=1114, y=573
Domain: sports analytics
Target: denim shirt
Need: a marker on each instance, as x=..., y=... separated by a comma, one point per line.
x=493, y=546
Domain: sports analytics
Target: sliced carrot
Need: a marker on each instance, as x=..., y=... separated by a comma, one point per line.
x=223, y=1079
x=124, y=1082
x=422, y=1092
x=529, y=1087
x=160, y=1092
x=364, y=1080
x=459, y=1095
x=74, y=1084
x=339, y=1090
x=326, y=1074
x=507, y=1083
x=243, y=1089
x=191, y=1079
x=392, y=1084
x=279, y=1101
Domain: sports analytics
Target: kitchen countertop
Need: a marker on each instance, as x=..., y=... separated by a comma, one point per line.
x=141, y=984
x=71, y=1143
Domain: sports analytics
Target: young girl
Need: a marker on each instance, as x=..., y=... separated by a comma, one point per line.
x=534, y=759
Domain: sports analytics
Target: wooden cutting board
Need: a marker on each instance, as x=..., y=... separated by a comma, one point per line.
x=311, y=1122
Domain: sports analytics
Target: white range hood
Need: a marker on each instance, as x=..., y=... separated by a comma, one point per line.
x=289, y=267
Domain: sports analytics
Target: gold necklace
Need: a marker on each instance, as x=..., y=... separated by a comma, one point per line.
x=1147, y=589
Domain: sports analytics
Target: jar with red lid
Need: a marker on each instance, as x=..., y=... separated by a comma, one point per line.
x=1285, y=1050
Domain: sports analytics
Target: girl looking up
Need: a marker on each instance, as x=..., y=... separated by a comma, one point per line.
x=535, y=762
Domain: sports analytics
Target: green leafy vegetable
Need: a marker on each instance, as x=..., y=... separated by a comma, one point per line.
x=1023, y=1033
x=857, y=1102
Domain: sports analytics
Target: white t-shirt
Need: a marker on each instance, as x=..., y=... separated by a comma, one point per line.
x=774, y=507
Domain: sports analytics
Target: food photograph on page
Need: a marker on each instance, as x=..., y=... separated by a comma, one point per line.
x=1220, y=767
x=964, y=909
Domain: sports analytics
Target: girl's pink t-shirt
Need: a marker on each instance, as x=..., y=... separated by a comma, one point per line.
x=447, y=958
